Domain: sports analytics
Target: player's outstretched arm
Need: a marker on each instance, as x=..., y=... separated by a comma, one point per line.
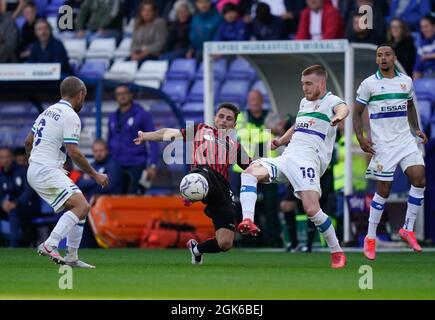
x=286, y=137
x=341, y=111
x=164, y=134
x=79, y=159
x=413, y=121
x=28, y=143
x=365, y=144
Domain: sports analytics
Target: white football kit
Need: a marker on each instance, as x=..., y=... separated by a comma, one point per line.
x=309, y=152
x=56, y=126
x=387, y=103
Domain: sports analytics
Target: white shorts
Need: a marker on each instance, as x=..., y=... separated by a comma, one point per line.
x=303, y=173
x=52, y=185
x=384, y=162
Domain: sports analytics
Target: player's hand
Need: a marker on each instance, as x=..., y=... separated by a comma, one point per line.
x=366, y=145
x=140, y=138
x=335, y=121
x=151, y=173
x=422, y=136
x=274, y=144
x=102, y=179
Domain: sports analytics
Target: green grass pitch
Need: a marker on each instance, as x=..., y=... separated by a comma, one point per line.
x=238, y=274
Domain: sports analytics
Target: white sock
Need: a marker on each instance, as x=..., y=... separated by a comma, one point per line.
x=73, y=240
x=415, y=199
x=248, y=195
x=376, y=210
x=62, y=228
x=325, y=227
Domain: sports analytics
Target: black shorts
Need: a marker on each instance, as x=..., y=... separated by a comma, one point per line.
x=220, y=207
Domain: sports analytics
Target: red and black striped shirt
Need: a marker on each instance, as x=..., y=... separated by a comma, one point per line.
x=213, y=148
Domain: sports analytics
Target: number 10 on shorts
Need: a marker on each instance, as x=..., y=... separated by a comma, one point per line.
x=307, y=172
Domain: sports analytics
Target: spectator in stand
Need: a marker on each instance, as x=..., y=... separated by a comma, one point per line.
x=319, y=21
x=100, y=19
x=48, y=49
x=403, y=43
x=266, y=26
x=377, y=34
x=425, y=65
x=8, y=39
x=103, y=164
x=171, y=15
x=135, y=161
x=15, y=7
x=203, y=28
x=289, y=11
x=27, y=36
x=177, y=43
x=21, y=157
x=410, y=11
x=18, y=200
x=149, y=35
x=363, y=35
x=233, y=28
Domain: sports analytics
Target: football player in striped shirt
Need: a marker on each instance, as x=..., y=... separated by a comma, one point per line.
x=388, y=97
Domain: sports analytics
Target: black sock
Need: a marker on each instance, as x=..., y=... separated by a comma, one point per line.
x=290, y=219
x=209, y=246
x=311, y=233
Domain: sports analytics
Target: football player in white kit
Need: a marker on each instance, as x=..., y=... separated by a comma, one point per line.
x=388, y=97
x=55, y=132
x=304, y=161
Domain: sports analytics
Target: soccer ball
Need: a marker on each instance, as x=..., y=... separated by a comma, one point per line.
x=194, y=187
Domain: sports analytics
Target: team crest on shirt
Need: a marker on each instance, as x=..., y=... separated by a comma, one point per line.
x=403, y=86
x=379, y=167
x=208, y=137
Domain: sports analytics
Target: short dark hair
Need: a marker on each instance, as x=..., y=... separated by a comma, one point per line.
x=386, y=45
x=100, y=141
x=229, y=106
x=230, y=7
x=71, y=86
x=19, y=151
x=43, y=20
x=316, y=69
x=429, y=17
x=30, y=4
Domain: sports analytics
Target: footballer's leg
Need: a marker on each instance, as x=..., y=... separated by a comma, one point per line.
x=73, y=240
x=376, y=209
x=78, y=209
x=310, y=201
x=254, y=174
x=223, y=215
x=416, y=175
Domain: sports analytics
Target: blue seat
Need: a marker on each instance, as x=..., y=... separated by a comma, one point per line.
x=41, y=6
x=425, y=112
x=424, y=89
x=241, y=69
x=93, y=69
x=196, y=93
x=53, y=7
x=182, y=69
x=176, y=89
x=234, y=91
x=219, y=69
x=19, y=21
x=193, y=107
